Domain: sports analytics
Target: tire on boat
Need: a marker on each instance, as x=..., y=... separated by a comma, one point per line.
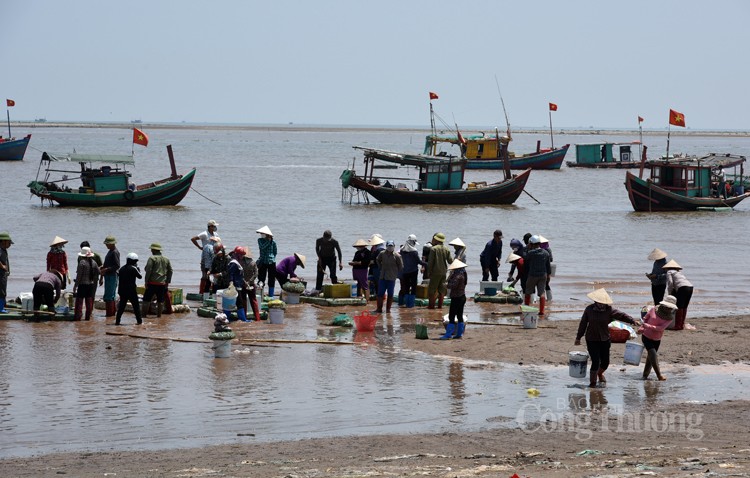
x=128, y=195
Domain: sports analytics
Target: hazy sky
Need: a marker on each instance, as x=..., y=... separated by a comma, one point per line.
x=603, y=63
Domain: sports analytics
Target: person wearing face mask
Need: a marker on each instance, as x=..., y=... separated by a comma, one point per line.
x=389, y=265
x=360, y=264
x=266, y=259
x=410, y=257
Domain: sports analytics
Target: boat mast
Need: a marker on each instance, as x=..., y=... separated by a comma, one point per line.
x=9, y=135
x=432, y=128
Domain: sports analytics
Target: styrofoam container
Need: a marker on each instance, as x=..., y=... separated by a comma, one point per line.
x=27, y=300
x=498, y=285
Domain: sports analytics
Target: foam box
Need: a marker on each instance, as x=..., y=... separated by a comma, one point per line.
x=497, y=285
x=337, y=291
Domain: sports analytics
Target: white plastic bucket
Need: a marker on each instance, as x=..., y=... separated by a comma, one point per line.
x=227, y=302
x=529, y=315
x=633, y=353
x=222, y=348
x=291, y=297
x=353, y=285
x=577, y=363
x=553, y=269
x=276, y=316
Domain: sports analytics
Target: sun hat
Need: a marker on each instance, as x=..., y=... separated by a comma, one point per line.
x=542, y=239
x=264, y=230
x=110, y=240
x=669, y=301
x=534, y=239
x=360, y=243
x=85, y=252
x=656, y=254
x=132, y=256
x=600, y=296
x=218, y=247
x=155, y=246
x=239, y=250
x=671, y=265
x=376, y=240
x=57, y=241
x=301, y=259
x=456, y=264
x=440, y=237
x=412, y=237
x=457, y=242
x=213, y=223
x=512, y=257
x=5, y=236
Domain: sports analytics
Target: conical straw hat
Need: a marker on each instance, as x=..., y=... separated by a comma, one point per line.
x=58, y=240
x=360, y=242
x=671, y=265
x=264, y=230
x=300, y=258
x=376, y=240
x=542, y=239
x=601, y=296
x=512, y=257
x=656, y=254
x=456, y=264
x=457, y=242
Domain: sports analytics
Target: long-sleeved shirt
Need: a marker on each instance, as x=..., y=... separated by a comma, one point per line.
x=111, y=262
x=236, y=275
x=158, y=270
x=411, y=261
x=654, y=324
x=362, y=259
x=659, y=274
x=249, y=270
x=437, y=264
x=52, y=279
x=327, y=248
x=389, y=264
x=87, y=272
x=537, y=263
x=128, y=275
x=675, y=280
x=266, y=251
x=286, y=267
x=491, y=253
x=5, y=270
x=595, y=322
x=457, y=282
x=57, y=259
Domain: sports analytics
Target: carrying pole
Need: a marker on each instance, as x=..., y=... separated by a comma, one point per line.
x=171, y=161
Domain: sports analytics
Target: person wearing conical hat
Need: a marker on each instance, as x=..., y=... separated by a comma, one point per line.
x=681, y=288
x=158, y=276
x=390, y=266
x=267, y=251
x=437, y=266
x=517, y=262
x=595, y=326
x=360, y=264
x=457, y=280
x=459, y=249
x=656, y=320
x=109, y=275
x=658, y=276
x=544, y=244
x=377, y=247
x=490, y=256
x=286, y=269
x=201, y=241
x=5, y=243
x=409, y=252
x=57, y=258
x=84, y=285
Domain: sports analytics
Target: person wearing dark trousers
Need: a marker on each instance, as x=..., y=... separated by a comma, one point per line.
x=267, y=251
x=490, y=256
x=5, y=242
x=457, y=287
x=158, y=277
x=681, y=288
x=327, y=248
x=658, y=275
x=126, y=288
x=595, y=326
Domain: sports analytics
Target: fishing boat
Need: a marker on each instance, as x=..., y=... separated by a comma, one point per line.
x=481, y=152
x=13, y=149
x=439, y=180
x=602, y=155
x=105, y=182
x=686, y=184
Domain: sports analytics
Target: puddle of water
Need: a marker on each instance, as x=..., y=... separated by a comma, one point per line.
x=69, y=387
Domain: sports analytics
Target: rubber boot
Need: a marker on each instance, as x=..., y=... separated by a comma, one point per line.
x=89, y=307
x=592, y=378
x=379, y=309
x=112, y=309
x=460, y=330
x=401, y=299
x=600, y=374
x=78, y=311
x=242, y=315
x=137, y=312
x=410, y=300
x=450, y=327
x=440, y=301
x=542, y=302
x=431, y=302
x=144, y=309
x=388, y=304
x=159, y=307
x=527, y=299
x=679, y=319
x=2, y=307
x=270, y=292
x=254, y=307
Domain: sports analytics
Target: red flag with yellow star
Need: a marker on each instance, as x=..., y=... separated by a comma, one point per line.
x=676, y=118
x=139, y=137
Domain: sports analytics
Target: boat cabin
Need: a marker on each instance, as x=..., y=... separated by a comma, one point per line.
x=440, y=173
x=473, y=146
x=442, y=176
x=697, y=177
x=98, y=173
x=595, y=153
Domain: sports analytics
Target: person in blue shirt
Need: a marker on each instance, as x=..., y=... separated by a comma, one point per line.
x=490, y=256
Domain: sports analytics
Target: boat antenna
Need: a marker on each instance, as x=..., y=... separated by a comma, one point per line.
x=505, y=112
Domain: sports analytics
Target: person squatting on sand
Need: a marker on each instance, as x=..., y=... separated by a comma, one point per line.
x=656, y=320
x=595, y=326
x=457, y=280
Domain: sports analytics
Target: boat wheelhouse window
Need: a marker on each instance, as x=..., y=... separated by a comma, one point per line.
x=456, y=167
x=480, y=148
x=691, y=177
x=656, y=175
x=438, y=168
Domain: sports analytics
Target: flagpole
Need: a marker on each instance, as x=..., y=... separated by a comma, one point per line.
x=7, y=110
x=432, y=127
x=551, y=138
x=132, y=147
x=640, y=139
x=669, y=130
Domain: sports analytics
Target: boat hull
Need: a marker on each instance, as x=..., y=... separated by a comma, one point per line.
x=166, y=192
x=14, y=150
x=505, y=192
x=648, y=197
x=546, y=160
x=609, y=165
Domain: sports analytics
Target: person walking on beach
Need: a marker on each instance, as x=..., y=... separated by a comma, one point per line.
x=390, y=266
x=544, y=244
x=286, y=269
x=411, y=260
x=377, y=246
x=200, y=241
x=266, y=259
x=57, y=258
x=128, y=274
x=158, y=277
x=237, y=278
x=490, y=256
x=5, y=243
x=681, y=288
x=207, y=259
x=457, y=280
x=437, y=267
x=360, y=264
x=47, y=290
x=658, y=275
x=537, y=269
x=109, y=274
x=84, y=286
x=326, y=248
x=656, y=320
x=595, y=326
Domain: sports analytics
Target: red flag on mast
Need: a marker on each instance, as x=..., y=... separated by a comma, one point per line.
x=139, y=137
x=640, y=120
x=552, y=107
x=433, y=96
x=10, y=103
x=676, y=118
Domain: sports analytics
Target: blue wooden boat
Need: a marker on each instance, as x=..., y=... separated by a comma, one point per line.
x=105, y=182
x=685, y=184
x=13, y=149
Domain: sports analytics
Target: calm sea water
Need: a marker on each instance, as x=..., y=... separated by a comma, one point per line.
x=67, y=386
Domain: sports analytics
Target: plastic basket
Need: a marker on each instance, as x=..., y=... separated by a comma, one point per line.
x=618, y=336
x=365, y=322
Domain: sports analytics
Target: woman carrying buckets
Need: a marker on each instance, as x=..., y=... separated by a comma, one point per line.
x=657, y=319
x=595, y=326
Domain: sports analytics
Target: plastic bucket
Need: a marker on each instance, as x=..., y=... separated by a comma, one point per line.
x=276, y=316
x=227, y=302
x=222, y=348
x=553, y=269
x=529, y=316
x=291, y=297
x=421, y=330
x=633, y=353
x=27, y=300
x=353, y=285
x=577, y=363
x=739, y=189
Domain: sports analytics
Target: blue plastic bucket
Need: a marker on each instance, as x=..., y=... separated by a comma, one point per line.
x=227, y=303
